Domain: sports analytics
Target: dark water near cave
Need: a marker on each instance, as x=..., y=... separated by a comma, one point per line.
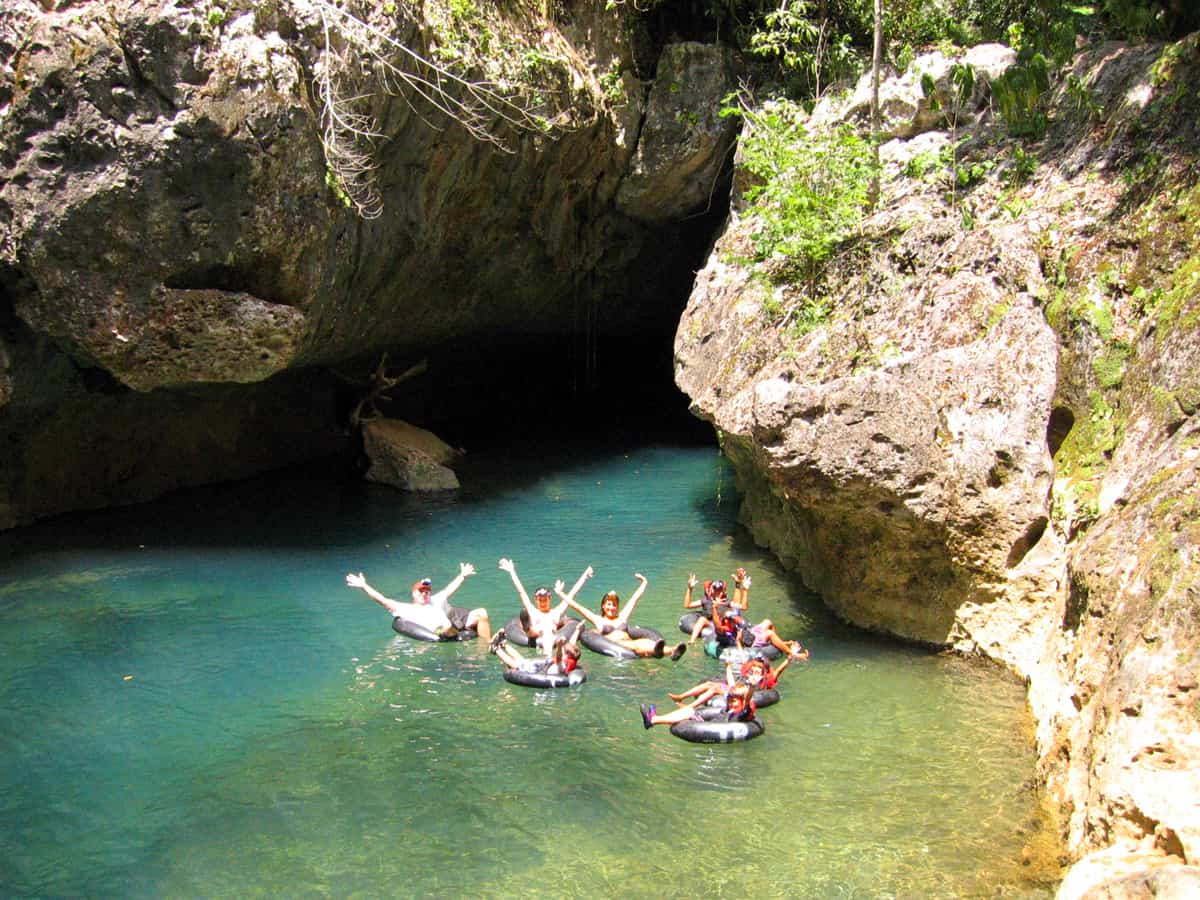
x=194, y=705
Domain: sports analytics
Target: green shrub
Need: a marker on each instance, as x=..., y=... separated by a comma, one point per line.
x=1018, y=95
x=811, y=188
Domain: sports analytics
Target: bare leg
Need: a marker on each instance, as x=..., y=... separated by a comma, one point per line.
x=651, y=717
x=707, y=690
x=510, y=657
x=768, y=628
x=478, y=619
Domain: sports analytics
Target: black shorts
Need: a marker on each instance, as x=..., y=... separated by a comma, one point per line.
x=458, y=617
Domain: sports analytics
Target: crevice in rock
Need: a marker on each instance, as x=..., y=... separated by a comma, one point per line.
x=140, y=79
x=1077, y=604
x=1062, y=420
x=1027, y=541
x=219, y=277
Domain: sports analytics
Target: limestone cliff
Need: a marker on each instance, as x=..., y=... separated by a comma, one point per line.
x=978, y=429
x=199, y=196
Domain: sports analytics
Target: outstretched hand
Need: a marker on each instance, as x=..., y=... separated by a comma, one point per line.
x=640, y=577
x=356, y=581
x=465, y=569
x=507, y=565
x=692, y=580
x=588, y=572
x=746, y=582
x=559, y=584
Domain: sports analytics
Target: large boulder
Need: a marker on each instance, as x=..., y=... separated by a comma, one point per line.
x=924, y=453
x=408, y=457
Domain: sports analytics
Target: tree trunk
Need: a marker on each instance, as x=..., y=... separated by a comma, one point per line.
x=876, y=61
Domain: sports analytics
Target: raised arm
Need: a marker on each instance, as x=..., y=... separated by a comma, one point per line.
x=597, y=621
x=741, y=589
x=358, y=581
x=465, y=570
x=778, y=670
x=511, y=568
x=637, y=595
x=688, y=602
x=587, y=573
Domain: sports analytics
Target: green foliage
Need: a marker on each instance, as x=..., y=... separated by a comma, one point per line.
x=811, y=188
x=810, y=314
x=1048, y=29
x=1148, y=19
x=802, y=45
x=612, y=83
x=215, y=15
x=1109, y=366
x=1022, y=167
x=1018, y=96
x=534, y=60
x=1085, y=100
x=334, y=183
x=928, y=162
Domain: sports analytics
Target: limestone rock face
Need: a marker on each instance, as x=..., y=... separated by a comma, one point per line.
x=685, y=144
x=978, y=429
x=130, y=148
x=408, y=457
x=1117, y=875
x=928, y=457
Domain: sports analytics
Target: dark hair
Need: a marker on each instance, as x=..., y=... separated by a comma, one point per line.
x=754, y=661
x=611, y=595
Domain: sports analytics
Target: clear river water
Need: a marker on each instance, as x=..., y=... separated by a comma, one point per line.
x=195, y=705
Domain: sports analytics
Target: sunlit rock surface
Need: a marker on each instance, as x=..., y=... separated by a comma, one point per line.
x=988, y=441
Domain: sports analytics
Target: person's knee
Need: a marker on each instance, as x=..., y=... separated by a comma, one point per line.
x=477, y=615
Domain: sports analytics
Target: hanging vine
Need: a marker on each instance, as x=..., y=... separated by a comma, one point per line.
x=489, y=110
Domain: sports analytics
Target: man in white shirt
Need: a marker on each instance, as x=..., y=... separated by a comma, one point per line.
x=432, y=610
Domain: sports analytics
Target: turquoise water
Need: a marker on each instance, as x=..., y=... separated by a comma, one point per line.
x=194, y=704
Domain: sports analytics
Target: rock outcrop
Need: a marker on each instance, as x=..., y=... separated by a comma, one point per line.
x=408, y=457
x=179, y=212
x=978, y=429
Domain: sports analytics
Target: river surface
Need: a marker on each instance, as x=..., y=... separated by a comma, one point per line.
x=195, y=705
